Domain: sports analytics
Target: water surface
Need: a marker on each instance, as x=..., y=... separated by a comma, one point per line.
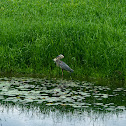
x=42, y=102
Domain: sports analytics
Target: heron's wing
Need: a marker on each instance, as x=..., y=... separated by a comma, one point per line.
x=65, y=66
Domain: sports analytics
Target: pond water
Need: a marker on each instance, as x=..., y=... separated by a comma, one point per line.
x=58, y=102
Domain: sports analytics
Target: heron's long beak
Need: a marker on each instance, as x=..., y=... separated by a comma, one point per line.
x=54, y=59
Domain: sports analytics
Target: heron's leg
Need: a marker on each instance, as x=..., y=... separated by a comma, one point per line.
x=62, y=72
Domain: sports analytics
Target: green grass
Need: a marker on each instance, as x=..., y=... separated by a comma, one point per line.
x=89, y=33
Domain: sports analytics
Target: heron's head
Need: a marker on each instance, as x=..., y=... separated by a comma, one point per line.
x=58, y=57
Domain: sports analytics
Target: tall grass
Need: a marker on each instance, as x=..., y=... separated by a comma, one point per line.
x=90, y=34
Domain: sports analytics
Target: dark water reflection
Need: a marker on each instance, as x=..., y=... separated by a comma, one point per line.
x=22, y=116
x=41, y=102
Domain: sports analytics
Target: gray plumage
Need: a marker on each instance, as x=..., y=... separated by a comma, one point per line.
x=62, y=64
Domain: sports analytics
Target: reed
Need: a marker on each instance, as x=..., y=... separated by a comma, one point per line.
x=89, y=33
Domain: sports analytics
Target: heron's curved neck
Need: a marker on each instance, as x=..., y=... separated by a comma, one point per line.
x=58, y=62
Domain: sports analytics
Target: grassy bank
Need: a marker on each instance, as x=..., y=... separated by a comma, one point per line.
x=90, y=34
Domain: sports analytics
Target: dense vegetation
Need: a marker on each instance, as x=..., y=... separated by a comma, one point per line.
x=89, y=33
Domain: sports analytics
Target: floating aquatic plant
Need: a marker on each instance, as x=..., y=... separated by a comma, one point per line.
x=61, y=92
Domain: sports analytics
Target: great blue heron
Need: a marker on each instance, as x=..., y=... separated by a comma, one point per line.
x=61, y=64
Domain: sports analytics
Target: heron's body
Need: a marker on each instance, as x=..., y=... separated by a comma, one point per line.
x=62, y=64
